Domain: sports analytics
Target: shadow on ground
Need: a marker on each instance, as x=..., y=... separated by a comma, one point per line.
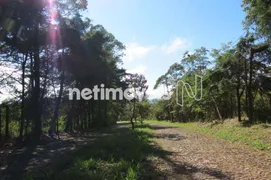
x=157, y=127
x=121, y=154
x=17, y=161
x=171, y=137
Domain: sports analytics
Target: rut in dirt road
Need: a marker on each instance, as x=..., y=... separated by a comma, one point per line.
x=195, y=155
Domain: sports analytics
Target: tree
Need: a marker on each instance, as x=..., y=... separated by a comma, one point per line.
x=144, y=109
x=138, y=87
x=258, y=16
x=49, y=47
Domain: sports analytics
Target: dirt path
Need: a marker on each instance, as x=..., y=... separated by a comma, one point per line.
x=194, y=155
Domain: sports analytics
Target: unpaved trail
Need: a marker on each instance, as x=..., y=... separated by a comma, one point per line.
x=195, y=155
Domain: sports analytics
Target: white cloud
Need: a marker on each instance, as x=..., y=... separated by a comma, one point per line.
x=141, y=69
x=175, y=45
x=155, y=94
x=135, y=51
x=150, y=60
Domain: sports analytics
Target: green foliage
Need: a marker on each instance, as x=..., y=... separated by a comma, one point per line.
x=159, y=110
x=174, y=72
x=191, y=126
x=226, y=87
x=144, y=109
x=54, y=49
x=258, y=14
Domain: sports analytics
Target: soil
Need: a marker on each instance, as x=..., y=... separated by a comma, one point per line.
x=195, y=155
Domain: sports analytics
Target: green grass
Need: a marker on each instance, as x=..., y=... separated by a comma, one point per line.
x=257, y=136
x=191, y=126
x=121, y=156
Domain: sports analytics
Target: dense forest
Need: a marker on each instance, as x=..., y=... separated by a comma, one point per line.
x=46, y=48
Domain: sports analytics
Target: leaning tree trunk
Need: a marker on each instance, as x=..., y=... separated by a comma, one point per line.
x=217, y=110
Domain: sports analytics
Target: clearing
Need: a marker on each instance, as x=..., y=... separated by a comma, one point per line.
x=152, y=151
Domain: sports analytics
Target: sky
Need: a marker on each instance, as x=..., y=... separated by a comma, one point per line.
x=156, y=33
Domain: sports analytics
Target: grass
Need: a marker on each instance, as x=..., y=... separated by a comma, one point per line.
x=121, y=156
x=256, y=136
x=191, y=126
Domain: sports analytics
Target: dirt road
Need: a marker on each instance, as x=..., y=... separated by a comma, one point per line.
x=195, y=155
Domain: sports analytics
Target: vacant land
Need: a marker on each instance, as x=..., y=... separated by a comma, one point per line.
x=112, y=153
x=155, y=150
x=198, y=155
x=256, y=136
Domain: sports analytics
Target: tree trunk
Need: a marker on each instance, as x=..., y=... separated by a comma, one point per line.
x=92, y=112
x=31, y=87
x=36, y=96
x=217, y=110
x=133, y=114
x=232, y=105
x=246, y=84
x=238, y=94
x=43, y=91
x=0, y=121
x=105, y=111
x=36, y=91
x=238, y=104
x=250, y=95
x=53, y=123
x=69, y=126
x=7, y=121
x=99, y=111
x=269, y=110
x=23, y=99
x=169, y=113
x=89, y=114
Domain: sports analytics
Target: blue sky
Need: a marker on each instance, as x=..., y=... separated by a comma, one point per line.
x=157, y=32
